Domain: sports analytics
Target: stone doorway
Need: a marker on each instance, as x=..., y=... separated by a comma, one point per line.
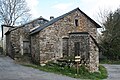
x=26, y=47
x=77, y=44
x=65, y=47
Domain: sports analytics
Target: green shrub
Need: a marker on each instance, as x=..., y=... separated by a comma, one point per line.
x=71, y=71
x=106, y=61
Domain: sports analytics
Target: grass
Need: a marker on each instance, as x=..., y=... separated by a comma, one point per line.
x=83, y=73
x=109, y=61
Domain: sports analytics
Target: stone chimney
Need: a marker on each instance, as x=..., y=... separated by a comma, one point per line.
x=51, y=17
x=41, y=17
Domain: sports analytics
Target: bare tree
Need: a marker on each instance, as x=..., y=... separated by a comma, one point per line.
x=13, y=12
x=102, y=17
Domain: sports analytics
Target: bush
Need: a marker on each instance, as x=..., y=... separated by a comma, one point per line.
x=71, y=71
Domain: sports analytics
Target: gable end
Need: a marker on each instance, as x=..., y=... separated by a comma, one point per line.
x=60, y=17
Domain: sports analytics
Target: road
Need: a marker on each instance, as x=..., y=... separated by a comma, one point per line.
x=113, y=71
x=9, y=70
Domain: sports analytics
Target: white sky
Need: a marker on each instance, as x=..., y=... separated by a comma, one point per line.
x=47, y=8
x=56, y=8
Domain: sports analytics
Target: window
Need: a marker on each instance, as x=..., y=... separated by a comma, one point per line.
x=65, y=47
x=76, y=22
x=26, y=47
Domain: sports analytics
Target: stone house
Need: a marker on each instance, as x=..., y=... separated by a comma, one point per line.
x=71, y=34
x=18, y=39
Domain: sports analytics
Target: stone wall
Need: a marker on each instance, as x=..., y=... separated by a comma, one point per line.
x=9, y=50
x=5, y=29
x=51, y=38
x=35, y=48
x=94, y=56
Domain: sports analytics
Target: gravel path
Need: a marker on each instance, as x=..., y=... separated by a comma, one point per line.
x=113, y=71
x=11, y=71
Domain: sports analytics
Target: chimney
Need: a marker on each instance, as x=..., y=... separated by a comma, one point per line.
x=51, y=17
x=41, y=17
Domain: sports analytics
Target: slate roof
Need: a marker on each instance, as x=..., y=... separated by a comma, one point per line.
x=60, y=17
x=16, y=27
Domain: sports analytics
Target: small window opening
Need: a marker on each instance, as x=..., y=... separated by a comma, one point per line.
x=76, y=22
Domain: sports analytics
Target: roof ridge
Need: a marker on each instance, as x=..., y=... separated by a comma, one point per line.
x=60, y=17
x=52, y=21
x=27, y=23
x=34, y=20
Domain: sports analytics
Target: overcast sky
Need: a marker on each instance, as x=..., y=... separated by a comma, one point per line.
x=47, y=8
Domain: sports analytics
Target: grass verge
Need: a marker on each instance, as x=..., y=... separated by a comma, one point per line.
x=71, y=72
x=109, y=62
